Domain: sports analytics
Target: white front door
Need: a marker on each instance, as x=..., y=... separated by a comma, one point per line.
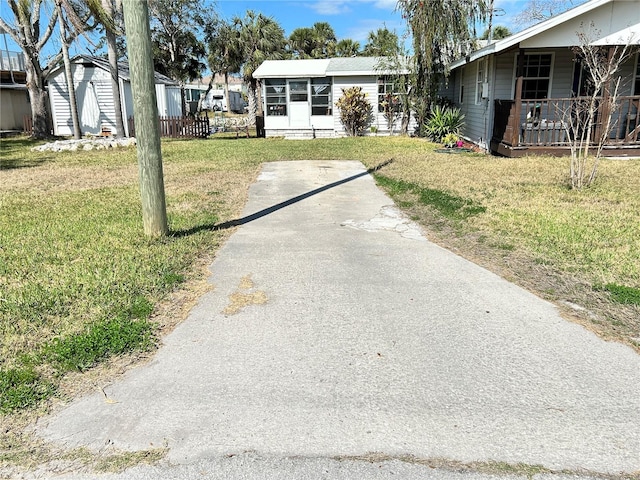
x=299, y=112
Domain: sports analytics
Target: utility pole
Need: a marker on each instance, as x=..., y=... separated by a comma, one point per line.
x=145, y=109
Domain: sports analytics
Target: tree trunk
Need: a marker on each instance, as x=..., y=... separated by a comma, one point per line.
x=253, y=101
x=112, y=54
x=68, y=73
x=154, y=210
x=38, y=98
x=226, y=91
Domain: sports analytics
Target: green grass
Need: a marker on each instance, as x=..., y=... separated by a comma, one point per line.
x=450, y=206
x=79, y=280
x=621, y=293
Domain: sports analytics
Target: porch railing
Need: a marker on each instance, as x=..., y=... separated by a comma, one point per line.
x=548, y=122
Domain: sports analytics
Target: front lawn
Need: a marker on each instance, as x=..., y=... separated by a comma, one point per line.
x=83, y=292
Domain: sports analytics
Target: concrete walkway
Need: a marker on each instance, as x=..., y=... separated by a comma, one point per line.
x=336, y=329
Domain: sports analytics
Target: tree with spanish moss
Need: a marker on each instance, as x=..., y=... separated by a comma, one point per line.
x=442, y=31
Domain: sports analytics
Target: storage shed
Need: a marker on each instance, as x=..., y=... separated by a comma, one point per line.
x=94, y=96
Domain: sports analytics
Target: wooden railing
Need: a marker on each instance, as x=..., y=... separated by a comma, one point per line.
x=178, y=127
x=549, y=122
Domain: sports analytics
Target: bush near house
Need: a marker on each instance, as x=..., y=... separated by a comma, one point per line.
x=356, y=113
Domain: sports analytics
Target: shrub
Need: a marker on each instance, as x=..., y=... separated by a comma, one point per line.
x=356, y=113
x=444, y=121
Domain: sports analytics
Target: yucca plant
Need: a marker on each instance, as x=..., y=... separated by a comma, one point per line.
x=443, y=121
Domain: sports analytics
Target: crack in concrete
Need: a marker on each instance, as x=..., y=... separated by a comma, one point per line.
x=390, y=218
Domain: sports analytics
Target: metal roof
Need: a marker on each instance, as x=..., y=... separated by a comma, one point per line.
x=326, y=67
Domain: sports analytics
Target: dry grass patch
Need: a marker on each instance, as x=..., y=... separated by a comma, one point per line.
x=559, y=243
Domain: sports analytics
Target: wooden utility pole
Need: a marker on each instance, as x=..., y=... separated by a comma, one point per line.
x=145, y=109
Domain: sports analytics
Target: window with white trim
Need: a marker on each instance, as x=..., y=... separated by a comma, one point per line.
x=481, y=78
x=536, y=75
x=461, y=93
x=321, y=103
x=276, y=96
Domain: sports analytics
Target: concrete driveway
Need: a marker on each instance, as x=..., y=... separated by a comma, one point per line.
x=339, y=342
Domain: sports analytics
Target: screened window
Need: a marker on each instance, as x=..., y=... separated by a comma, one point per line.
x=536, y=76
x=276, y=97
x=321, y=103
x=481, y=78
x=298, y=91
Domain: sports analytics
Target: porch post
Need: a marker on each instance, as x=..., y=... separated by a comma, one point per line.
x=517, y=110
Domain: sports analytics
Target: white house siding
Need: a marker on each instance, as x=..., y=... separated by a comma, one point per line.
x=369, y=87
x=477, y=114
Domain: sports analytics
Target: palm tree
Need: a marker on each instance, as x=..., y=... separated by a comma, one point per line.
x=324, y=40
x=347, y=48
x=381, y=43
x=302, y=42
x=261, y=38
x=225, y=53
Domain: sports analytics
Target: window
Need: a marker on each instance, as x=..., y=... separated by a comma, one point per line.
x=298, y=91
x=321, y=103
x=461, y=94
x=536, y=75
x=481, y=78
x=387, y=94
x=276, y=97
x=385, y=87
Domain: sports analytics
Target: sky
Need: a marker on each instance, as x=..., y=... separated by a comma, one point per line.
x=352, y=19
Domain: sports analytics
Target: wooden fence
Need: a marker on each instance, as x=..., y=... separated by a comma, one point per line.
x=178, y=127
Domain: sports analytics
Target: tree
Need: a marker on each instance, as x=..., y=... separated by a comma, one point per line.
x=318, y=41
x=261, y=38
x=225, y=52
x=29, y=35
x=539, y=10
x=381, y=43
x=356, y=113
x=441, y=31
x=175, y=30
x=111, y=33
x=347, y=48
x=73, y=106
x=498, y=33
x=301, y=42
x=324, y=40
x=588, y=120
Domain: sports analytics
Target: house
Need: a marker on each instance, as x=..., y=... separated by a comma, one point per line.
x=14, y=97
x=516, y=92
x=94, y=96
x=299, y=96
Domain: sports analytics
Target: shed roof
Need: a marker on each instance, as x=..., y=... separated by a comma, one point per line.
x=553, y=32
x=123, y=69
x=325, y=67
